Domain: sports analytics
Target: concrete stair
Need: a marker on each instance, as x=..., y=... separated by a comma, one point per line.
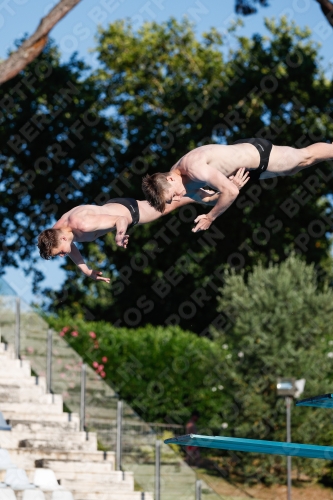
x=15, y=368
x=46, y=426
x=98, y=484
x=108, y=495
x=27, y=408
x=74, y=440
x=71, y=436
x=33, y=416
x=43, y=436
x=35, y=393
x=79, y=467
x=138, y=437
x=42, y=444
x=12, y=382
x=136, y=495
x=31, y=457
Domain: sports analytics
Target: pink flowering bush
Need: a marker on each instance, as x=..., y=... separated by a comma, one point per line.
x=64, y=331
x=83, y=339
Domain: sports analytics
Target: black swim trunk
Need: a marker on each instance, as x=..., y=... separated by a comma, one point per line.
x=132, y=206
x=264, y=147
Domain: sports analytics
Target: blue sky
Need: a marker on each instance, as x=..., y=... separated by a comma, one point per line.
x=76, y=32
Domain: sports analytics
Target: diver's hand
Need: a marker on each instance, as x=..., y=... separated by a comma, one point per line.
x=122, y=240
x=241, y=177
x=97, y=276
x=203, y=222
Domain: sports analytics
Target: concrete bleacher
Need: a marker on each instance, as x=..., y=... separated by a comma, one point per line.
x=48, y=458
x=138, y=437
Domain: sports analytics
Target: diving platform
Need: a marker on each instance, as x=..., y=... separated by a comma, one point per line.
x=255, y=446
x=323, y=401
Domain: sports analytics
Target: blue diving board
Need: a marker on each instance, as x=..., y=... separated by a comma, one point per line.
x=255, y=446
x=323, y=401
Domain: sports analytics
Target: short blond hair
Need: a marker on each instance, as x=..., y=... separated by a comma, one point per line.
x=155, y=187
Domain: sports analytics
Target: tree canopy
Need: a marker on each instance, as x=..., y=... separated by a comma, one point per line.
x=49, y=126
x=191, y=94
x=77, y=138
x=247, y=7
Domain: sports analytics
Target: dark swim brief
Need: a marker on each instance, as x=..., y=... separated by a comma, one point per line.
x=264, y=147
x=132, y=206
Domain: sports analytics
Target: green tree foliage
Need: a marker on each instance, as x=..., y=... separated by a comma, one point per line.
x=246, y=7
x=280, y=325
x=160, y=92
x=50, y=129
x=170, y=92
x=163, y=373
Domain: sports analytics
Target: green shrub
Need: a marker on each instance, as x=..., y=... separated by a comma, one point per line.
x=163, y=373
x=280, y=324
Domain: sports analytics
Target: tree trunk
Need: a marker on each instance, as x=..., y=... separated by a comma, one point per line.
x=34, y=45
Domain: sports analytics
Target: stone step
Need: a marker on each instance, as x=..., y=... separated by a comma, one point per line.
x=102, y=478
x=19, y=392
x=106, y=495
x=23, y=382
x=27, y=458
x=89, y=466
x=94, y=382
x=6, y=355
x=12, y=368
x=6, y=348
x=41, y=408
x=116, y=480
x=103, y=413
x=85, y=485
x=50, y=444
x=40, y=417
x=19, y=367
x=11, y=443
x=48, y=495
x=23, y=426
x=10, y=438
x=135, y=495
x=77, y=466
x=32, y=395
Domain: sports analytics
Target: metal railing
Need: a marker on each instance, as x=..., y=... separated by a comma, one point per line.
x=49, y=361
x=119, y=434
x=138, y=445
x=18, y=328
